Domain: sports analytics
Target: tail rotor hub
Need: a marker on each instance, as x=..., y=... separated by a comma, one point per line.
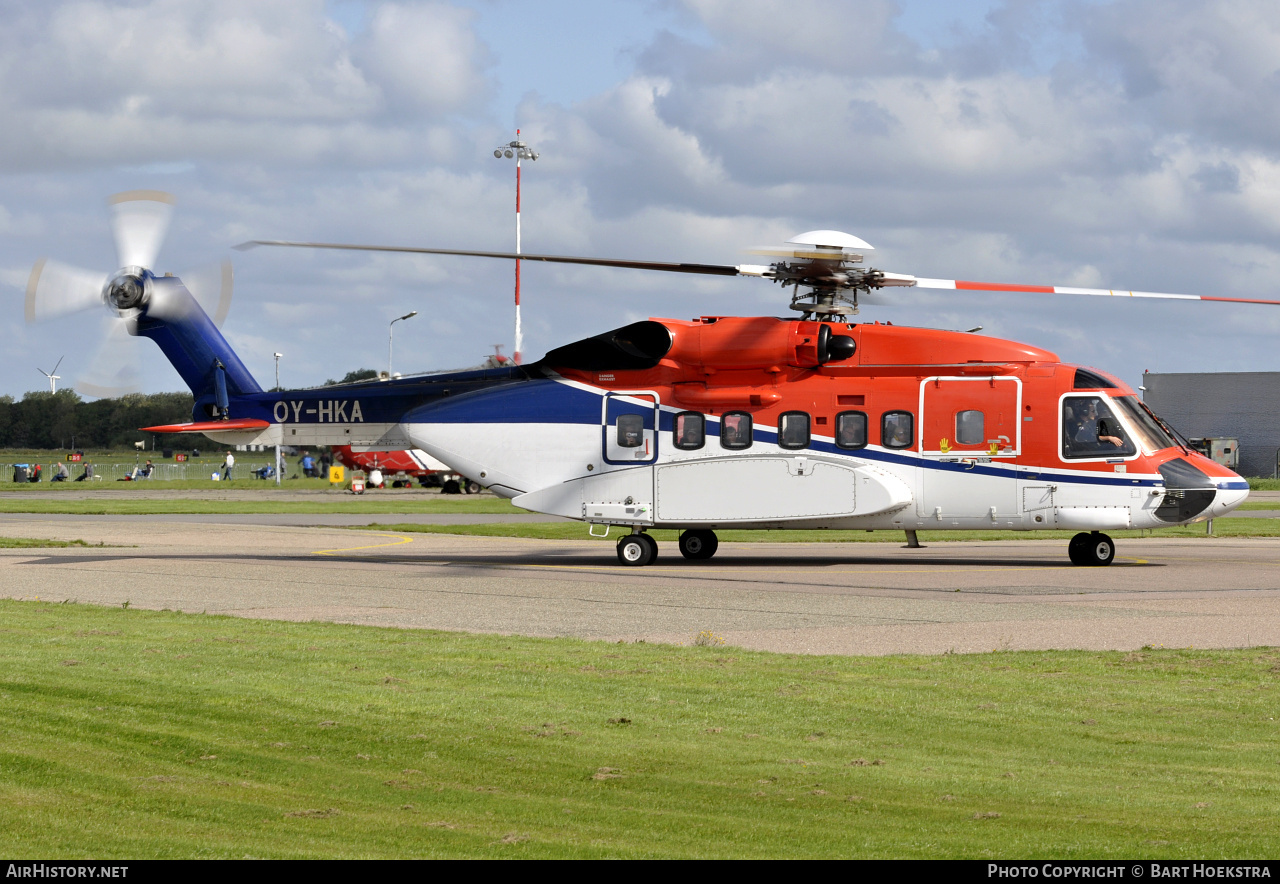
x=128, y=290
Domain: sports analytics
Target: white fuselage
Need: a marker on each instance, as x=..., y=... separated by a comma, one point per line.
x=568, y=467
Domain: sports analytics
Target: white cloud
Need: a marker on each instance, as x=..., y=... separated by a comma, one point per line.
x=1139, y=153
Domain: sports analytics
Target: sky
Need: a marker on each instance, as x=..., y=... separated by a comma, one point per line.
x=1132, y=145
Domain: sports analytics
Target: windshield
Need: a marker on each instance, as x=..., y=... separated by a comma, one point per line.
x=1089, y=429
x=1151, y=436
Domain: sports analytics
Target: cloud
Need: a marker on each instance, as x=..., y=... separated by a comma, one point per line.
x=1115, y=144
x=166, y=81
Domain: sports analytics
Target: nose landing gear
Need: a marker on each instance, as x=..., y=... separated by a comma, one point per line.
x=1094, y=548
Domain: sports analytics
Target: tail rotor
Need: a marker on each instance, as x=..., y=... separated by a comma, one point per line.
x=139, y=222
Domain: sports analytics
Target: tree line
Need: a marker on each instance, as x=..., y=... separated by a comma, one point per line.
x=63, y=420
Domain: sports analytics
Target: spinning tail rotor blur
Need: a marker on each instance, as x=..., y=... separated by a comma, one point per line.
x=55, y=290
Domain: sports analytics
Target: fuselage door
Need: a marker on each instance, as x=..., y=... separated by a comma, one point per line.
x=971, y=417
x=968, y=427
x=629, y=428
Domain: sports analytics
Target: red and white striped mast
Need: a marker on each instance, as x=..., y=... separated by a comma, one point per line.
x=520, y=151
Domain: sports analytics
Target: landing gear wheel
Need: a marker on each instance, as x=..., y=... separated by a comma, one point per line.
x=450, y=487
x=1094, y=548
x=471, y=487
x=698, y=543
x=653, y=546
x=634, y=549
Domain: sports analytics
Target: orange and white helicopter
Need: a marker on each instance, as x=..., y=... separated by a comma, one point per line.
x=744, y=422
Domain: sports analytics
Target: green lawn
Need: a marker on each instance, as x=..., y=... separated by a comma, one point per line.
x=35, y=543
x=137, y=734
x=382, y=502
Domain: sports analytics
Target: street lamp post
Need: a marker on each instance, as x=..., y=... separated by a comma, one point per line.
x=278, y=355
x=520, y=151
x=390, y=331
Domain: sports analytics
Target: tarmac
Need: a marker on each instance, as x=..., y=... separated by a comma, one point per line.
x=804, y=598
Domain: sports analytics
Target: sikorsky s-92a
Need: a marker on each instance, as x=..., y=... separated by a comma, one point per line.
x=743, y=422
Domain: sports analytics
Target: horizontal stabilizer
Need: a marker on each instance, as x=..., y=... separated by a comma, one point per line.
x=244, y=423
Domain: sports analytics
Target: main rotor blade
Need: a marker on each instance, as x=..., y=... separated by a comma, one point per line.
x=963, y=285
x=139, y=220
x=707, y=269
x=55, y=289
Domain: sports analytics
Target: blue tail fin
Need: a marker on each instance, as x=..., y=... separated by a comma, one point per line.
x=195, y=347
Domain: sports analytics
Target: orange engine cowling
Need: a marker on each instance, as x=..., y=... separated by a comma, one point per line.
x=759, y=342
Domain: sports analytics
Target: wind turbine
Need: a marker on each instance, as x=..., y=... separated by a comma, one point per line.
x=52, y=375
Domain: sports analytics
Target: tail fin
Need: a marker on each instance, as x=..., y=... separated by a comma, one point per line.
x=195, y=347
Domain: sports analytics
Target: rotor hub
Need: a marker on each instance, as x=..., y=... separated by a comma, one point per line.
x=128, y=290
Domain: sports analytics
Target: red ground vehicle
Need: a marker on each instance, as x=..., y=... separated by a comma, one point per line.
x=402, y=468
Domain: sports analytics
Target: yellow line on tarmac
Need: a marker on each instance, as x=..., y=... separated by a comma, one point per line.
x=399, y=540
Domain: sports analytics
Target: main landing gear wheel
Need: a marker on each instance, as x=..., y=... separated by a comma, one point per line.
x=698, y=544
x=637, y=550
x=471, y=487
x=1094, y=548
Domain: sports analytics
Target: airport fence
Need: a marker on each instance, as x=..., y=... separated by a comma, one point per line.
x=159, y=472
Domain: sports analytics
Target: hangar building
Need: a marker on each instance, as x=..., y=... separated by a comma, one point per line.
x=1244, y=405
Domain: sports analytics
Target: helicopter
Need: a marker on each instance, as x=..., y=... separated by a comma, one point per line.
x=809, y=423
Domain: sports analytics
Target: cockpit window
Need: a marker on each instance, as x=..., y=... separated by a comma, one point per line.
x=1151, y=435
x=1090, y=429
x=1091, y=380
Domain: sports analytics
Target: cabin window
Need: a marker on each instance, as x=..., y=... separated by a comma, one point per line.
x=689, y=430
x=793, y=430
x=969, y=428
x=1090, y=429
x=735, y=430
x=897, y=429
x=630, y=430
x=851, y=429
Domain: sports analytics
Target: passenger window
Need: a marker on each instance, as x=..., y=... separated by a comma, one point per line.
x=1090, y=429
x=689, y=430
x=969, y=428
x=630, y=430
x=897, y=429
x=735, y=430
x=793, y=430
x=851, y=429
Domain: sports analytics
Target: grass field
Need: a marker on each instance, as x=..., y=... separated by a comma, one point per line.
x=124, y=505
x=35, y=543
x=137, y=734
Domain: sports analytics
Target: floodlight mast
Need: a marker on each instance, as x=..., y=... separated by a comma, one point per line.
x=520, y=151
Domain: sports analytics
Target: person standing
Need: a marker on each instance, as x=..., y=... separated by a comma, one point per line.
x=227, y=464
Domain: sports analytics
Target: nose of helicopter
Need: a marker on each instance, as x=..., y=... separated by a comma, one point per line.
x=1230, y=495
